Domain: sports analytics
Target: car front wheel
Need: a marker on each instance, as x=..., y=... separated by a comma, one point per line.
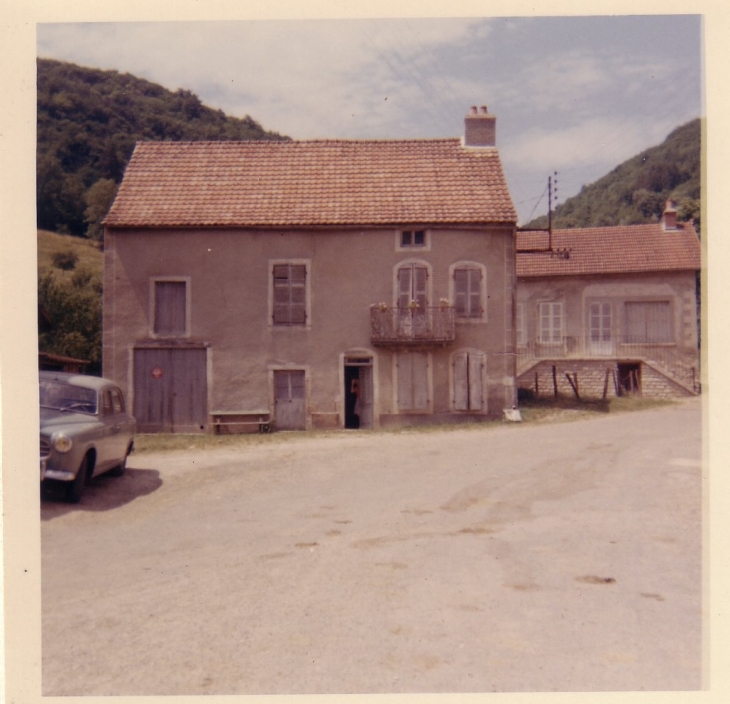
x=75, y=489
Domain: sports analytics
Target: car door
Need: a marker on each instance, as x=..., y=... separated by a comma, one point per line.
x=123, y=425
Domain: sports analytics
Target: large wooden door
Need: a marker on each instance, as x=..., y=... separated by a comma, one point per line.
x=289, y=400
x=170, y=390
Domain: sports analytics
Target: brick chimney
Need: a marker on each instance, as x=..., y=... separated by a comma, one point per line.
x=669, y=217
x=480, y=128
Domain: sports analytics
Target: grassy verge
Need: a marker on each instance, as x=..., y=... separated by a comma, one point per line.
x=533, y=411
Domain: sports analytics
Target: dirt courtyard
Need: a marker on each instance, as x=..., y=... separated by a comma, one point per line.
x=553, y=557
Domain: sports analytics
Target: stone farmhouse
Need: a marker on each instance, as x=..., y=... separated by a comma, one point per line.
x=609, y=310
x=313, y=284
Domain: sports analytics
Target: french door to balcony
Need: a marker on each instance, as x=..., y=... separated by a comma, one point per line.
x=601, y=329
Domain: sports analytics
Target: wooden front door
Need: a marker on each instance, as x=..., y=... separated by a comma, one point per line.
x=170, y=390
x=289, y=400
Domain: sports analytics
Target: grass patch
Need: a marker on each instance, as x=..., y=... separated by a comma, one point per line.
x=543, y=410
x=536, y=410
x=51, y=244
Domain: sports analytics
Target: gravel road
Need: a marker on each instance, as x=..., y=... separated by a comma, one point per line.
x=553, y=557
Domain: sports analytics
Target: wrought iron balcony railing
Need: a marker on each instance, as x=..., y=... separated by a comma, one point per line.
x=412, y=326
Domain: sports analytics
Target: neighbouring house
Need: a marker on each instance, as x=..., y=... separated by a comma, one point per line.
x=312, y=284
x=61, y=363
x=609, y=311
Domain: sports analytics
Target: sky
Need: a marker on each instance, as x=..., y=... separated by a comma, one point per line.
x=572, y=95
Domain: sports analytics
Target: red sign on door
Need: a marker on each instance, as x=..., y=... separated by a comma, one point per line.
x=157, y=373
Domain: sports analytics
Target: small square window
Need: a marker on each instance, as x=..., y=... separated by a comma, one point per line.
x=413, y=238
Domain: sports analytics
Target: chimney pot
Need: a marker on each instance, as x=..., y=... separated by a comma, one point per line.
x=473, y=109
x=484, y=109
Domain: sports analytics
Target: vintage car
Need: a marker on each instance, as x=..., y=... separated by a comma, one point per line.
x=85, y=430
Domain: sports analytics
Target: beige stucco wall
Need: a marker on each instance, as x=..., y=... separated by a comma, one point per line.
x=228, y=275
x=578, y=292
x=668, y=369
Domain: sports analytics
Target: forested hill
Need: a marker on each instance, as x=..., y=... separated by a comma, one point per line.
x=636, y=191
x=88, y=123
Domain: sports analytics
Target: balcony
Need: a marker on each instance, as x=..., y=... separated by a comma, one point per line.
x=412, y=326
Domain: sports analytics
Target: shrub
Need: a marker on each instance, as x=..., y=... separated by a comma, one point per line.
x=65, y=260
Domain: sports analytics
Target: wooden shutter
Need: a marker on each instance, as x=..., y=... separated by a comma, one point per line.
x=420, y=381
x=468, y=292
x=468, y=390
x=170, y=304
x=404, y=286
x=413, y=381
x=461, y=381
x=649, y=321
x=420, y=279
x=476, y=362
x=405, y=381
x=412, y=285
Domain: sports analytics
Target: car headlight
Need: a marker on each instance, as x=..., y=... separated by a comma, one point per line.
x=61, y=442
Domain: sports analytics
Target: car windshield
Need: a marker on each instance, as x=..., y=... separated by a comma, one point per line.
x=66, y=397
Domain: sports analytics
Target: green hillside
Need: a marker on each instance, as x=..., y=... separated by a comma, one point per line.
x=88, y=122
x=636, y=190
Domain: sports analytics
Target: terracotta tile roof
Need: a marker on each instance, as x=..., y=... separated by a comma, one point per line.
x=329, y=182
x=610, y=250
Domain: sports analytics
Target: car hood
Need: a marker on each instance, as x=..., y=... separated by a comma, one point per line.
x=52, y=420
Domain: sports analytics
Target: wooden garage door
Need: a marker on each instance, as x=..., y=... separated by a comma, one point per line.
x=170, y=390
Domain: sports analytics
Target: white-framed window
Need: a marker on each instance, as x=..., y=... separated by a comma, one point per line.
x=412, y=239
x=550, y=323
x=469, y=291
x=468, y=380
x=170, y=307
x=648, y=322
x=413, y=382
x=520, y=325
x=412, y=285
x=289, y=293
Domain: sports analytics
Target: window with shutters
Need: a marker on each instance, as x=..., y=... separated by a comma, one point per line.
x=469, y=291
x=648, y=322
x=550, y=330
x=413, y=395
x=468, y=380
x=170, y=308
x=412, y=286
x=289, y=294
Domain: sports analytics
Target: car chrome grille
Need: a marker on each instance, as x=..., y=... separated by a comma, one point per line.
x=45, y=447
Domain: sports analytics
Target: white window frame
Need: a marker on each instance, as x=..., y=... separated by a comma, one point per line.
x=552, y=338
x=307, y=324
x=153, y=305
x=482, y=291
x=425, y=247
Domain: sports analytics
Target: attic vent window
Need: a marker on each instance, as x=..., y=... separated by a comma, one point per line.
x=413, y=238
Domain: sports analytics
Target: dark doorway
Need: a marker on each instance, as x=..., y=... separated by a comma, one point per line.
x=352, y=393
x=629, y=379
x=358, y=392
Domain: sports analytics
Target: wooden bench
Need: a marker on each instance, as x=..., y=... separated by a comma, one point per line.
x=226, y=422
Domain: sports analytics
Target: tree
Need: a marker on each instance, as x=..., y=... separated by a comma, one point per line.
x=98, y=201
